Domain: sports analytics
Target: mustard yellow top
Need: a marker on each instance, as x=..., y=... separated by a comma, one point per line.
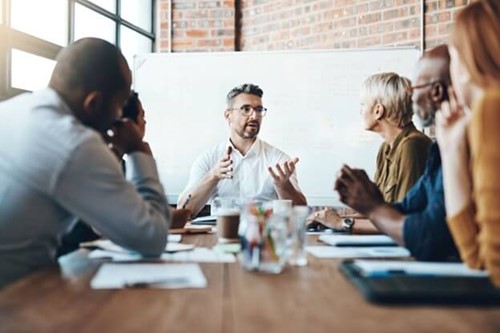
x=400, y=166
x=476, y=229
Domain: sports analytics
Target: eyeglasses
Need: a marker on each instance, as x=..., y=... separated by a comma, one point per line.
x=423, y=85
x=247, y=110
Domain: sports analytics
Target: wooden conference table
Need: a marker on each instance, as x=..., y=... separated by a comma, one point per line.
x=315, y=298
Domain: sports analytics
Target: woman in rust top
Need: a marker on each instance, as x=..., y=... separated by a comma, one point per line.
x=469, y=141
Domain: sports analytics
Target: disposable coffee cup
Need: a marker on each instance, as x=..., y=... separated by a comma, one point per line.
x=227, y=211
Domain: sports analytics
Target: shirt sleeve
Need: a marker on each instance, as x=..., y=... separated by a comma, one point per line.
x=425, y=232
x=412, y=161
x=477, y=231
x=134, y=214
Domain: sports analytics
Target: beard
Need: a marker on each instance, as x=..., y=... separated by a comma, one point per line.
x=250, y=132
x=425, y=116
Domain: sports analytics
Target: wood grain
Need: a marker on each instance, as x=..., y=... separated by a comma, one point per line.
x=315, y=298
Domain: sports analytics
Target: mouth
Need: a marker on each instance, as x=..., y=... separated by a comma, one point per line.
x=253, y=124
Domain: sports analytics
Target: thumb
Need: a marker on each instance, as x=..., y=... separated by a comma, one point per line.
x=229, y=150
x=295, y=160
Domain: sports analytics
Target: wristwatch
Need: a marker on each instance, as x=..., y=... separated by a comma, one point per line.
x=347, y=224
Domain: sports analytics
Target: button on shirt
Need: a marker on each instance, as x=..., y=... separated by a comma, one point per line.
x=251, y=179
x=425, y=231
x=53, y=169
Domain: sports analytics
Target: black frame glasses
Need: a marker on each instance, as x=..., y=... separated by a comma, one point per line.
x=423, y=85
x=247, y=110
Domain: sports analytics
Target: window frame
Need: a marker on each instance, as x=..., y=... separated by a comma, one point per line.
x=15, y=39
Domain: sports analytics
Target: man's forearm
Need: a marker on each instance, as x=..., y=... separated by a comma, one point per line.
x=289, y=192
x=389, y=221
x=197, y=198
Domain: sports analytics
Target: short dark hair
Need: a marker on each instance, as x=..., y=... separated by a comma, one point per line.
x=130, y=110
x=247, y=88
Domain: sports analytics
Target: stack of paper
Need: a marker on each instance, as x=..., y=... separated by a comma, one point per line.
x=171, y=276
x=106, y=244
x=199, y=254
x=357, y=240
x=379, y=268
x=358, y=252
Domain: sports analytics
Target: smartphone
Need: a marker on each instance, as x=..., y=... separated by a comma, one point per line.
x=131, y=109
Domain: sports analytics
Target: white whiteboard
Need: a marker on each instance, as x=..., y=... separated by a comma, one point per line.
x=312, y=97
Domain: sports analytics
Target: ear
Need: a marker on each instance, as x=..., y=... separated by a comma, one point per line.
x=438, y=92
x=378, y=111
x=93, y=102
x=227, y=115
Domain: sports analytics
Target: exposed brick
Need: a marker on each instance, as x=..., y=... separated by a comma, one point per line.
x=303, y=24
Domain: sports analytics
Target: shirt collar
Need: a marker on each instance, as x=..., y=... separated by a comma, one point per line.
x=253, y=151
x=390, y=151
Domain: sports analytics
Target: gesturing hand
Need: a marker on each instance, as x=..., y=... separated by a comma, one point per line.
x=357, y=190
x=224, y=168
x=281, y=175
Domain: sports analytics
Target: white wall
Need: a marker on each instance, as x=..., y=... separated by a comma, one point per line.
x=312, y=97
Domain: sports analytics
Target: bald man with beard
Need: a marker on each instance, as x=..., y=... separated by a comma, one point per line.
x=55, y=165
x=418, y=222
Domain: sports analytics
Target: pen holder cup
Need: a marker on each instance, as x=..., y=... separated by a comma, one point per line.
x=263, y=239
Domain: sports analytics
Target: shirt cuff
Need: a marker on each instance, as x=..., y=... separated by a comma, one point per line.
x=139, y=165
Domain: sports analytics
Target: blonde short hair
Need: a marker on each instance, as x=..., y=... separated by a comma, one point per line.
x=476, y=37
x=394, y=93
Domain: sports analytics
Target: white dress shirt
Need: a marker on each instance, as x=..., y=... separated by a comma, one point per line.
x=251, y=179
x=53, y=169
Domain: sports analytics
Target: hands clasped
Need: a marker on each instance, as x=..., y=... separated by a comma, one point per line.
x=357, y=190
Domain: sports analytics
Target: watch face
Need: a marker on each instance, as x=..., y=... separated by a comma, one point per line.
x=348, y=221
x=347, y=224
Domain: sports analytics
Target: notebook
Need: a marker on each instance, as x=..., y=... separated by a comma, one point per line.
x=403, y=288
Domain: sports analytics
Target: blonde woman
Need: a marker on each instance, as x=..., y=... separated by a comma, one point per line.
x=469, y=142
x=386, y=108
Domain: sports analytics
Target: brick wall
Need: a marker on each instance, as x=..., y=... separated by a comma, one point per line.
x=197, y=25
x=303, y=24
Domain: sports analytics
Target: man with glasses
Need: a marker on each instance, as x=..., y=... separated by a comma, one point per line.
x=244, y=166
x=418, y=222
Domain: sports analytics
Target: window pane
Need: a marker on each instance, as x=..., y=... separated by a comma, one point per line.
x=29, y=71
x=31, y=17
x=138, y=12
x=89, y=23
x=109, y=5
x=132, y=43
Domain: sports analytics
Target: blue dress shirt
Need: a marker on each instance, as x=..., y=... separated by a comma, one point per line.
x=425, y=232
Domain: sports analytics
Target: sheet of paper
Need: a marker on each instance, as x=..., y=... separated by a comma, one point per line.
x=358, y=252
x=382, y=268
x=199, y=254
x=106, y=244
x=209, y=220
x=357, y=240
x=161, y=275
x=174, y=238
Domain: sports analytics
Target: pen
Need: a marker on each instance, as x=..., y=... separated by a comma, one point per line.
x=186, y=202
x=145, y=284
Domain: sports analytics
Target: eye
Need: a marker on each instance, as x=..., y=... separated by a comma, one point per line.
x=247, y=108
